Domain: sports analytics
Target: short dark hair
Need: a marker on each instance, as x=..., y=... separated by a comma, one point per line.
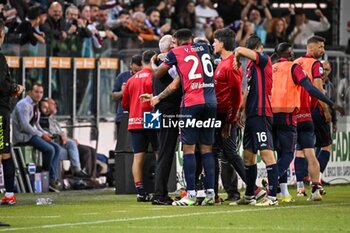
x=136, y=59
x=150, y=10
x=227, y=37
x=34, y=12
x=315, y=39
x=282, y=48
x=253, y=42
x=30, y=86
x=183, y=34
x=299, y=11
x=147, y=55
x=124, y=12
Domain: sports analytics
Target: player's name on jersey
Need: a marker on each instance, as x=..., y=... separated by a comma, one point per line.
x=201, y=85
x=194, y=49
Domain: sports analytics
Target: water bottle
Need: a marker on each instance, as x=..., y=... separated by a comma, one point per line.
x=37, y=183
x=44, y=201
x=31, y=168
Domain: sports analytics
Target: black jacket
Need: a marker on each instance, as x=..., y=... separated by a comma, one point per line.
x=6, y=86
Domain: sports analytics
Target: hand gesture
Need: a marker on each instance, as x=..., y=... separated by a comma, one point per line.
x=155, y=100
x=241, y=119
x=226, y=131
x=19, y=90
x=318, y=13
x=47, y=137
x=236, y=64
x=339, y=108
x=145, y=97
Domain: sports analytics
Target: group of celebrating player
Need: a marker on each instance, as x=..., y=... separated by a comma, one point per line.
x=275, y=109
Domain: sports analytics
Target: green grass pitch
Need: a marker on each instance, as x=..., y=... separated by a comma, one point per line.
x=103, y=211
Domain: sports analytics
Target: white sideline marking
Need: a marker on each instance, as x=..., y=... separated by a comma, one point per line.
x=258, y=209
x=217, y=228
x=17, y=216
x=89, y=213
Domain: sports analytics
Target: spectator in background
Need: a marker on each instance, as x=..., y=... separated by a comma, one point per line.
x=27, y=130
x=53, y=28
x=95, y=40
x=153, y=22
x=94, y=10
x=216, y=25
x=305, y=28
x=27, y=29
x=127, y=38
x=205, y=15
x=138, y=25
x=119, y=86
x=137, y=6
x=76, y=32
x=186, y=17
x=246, y=29
x=276, y=32
x=230, y=10
x=260, y=23
x=167, y=11
x=102, y=26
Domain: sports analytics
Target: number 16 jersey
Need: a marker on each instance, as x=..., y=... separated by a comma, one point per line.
x=194, y=66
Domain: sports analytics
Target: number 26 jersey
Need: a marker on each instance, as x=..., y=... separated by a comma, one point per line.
x=194, y=66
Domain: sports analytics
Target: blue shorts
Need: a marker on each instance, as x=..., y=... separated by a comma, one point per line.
x=141, y=138
x=284, y=133
x=191, y=134
x=322, y=129
x=258, y=133
x=306, y=136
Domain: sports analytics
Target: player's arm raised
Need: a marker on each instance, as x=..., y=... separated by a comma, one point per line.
x=243, y=52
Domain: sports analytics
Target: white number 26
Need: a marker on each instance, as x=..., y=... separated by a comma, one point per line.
x=207, y=66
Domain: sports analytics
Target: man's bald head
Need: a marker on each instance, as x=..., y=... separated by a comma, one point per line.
x=56, y=11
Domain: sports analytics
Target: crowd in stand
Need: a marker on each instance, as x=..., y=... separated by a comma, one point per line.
x=83, y=28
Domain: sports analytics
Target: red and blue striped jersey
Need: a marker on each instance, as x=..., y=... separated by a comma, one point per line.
x=194, y=66
x=259, y=77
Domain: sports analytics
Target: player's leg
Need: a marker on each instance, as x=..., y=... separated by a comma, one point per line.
x=139, y=145
x=6, y=161
x=307, y=144
x=263, y=141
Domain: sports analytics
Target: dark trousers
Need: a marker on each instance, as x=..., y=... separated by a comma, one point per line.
x=229, y=179
x=228, y=147
x=167, y=140
x=88, y=157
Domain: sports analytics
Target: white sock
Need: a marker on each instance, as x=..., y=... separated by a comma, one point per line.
x=8, y=194
x=320, y=177
x=210, y=190
x=191, y=193
x=284, y=190
x=272, y=198
x=300, y=185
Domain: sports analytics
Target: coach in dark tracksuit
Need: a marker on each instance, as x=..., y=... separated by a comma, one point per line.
x=167, y=137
